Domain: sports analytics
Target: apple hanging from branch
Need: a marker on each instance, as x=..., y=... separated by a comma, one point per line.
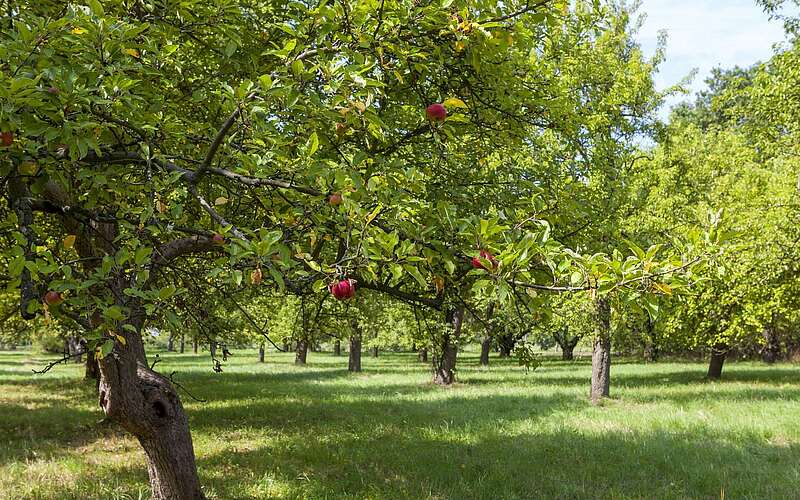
x=436, y=112
x=53, y=298
x=477, y=261
x=343, y=289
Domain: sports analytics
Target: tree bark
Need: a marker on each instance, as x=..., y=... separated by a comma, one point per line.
x=301, y=352
x=568, y=351
x=194, y=345
x=212, y=347
x=601, y=353
x=374, y=352
x=444, y=361
x=183, y=343
x=337, y=348
x=718, y=354
x=354, y=363
x=171, y=343
x=261, y=353
x=422, y=355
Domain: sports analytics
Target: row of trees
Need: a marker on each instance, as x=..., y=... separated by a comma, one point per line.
x=218, y=170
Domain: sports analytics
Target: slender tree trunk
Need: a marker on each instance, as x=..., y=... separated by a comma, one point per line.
x=354, y=364
x=301, y=352
x=374, y=352
x=486, y=343
x=74, y=348
x=444, y=361
x=171, y=343
x=337, y=348
x=183, y=343
x=423, y=355
x=213, y=349
x=601, y=354
x=194, y=345
x=261, y=353
x=486, y=346
x=772, y=345
x=718, y=354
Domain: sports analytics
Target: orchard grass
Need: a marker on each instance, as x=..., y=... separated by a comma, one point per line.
x=275, y=430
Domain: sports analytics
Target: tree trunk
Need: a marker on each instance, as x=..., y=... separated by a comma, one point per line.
x=423, y=355
x=261, y=353
x=568, y=351
x=92, y=371
x=354, y=364
x=444, y=361
x=601, y=353
x=301, y=352
x=147, y=406
x=486, y=346
x=337, y=348
x=772, y=346
x=74, y=349
x=194, y=346
x=506, y=345
x=171, y=343
x=718, y=354
x=374, y=352
x=183, y=344
x=212, y=347
x=486, y=343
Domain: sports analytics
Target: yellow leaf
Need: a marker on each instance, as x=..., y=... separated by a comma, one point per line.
x=664, y=288
x=454, y=102
x=221, y=201
x=132, y=53
x=78, y=31
x=121, y=339
x=69, y=241
x=360, y=106
x=161, y=207
x=460, y=45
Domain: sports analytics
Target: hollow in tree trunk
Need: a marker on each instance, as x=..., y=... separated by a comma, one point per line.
x=601, y=352
x=422, y=355
x=354, y=363
x=444, y=360
x=718, y=354
x=301, y=352
x=337, y=348
x=261, y=352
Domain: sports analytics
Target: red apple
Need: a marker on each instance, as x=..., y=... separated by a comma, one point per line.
x=335, y=199
x=477, y=264
x=436, y=112
x=52, y=298
x=344, y=289
x=6, y=139
x=218, y=239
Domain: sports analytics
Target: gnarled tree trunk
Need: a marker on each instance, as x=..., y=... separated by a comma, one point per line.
x=718, y=354
x=444, y=360
x=601, y=353
x=567, y=344
x=301, y=352
x=146, y=405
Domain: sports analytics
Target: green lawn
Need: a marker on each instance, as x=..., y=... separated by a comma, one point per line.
x=278, y=431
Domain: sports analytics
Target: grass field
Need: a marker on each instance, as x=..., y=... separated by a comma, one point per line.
x=280, y=431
